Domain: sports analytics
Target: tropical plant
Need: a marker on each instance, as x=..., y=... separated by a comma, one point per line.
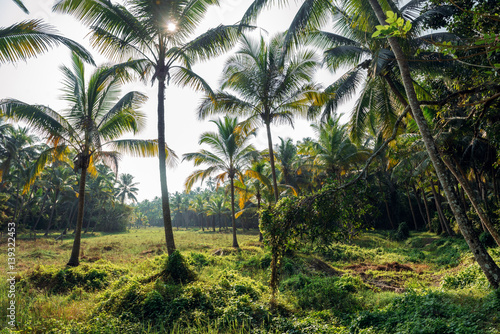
x=158, y=34
x=127, y=188
x=29, y=38
x=230, y=153
x=269, y=86
x=96, y=117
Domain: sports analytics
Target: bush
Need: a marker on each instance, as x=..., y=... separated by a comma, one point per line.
x=176, y=270
x=412, y=313
x=403, y=232
x=321, y=293
x=468, y=277
x=90, y=277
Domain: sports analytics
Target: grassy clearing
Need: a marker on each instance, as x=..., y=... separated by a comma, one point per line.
x=126, y=284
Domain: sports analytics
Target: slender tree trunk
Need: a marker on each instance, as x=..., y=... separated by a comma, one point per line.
x=233, y=220
x=442, y=218
x=411, y=206
x=271, y=159
x=33, y=228
x=74, y=260
x=427, y=211
x=261, y=237
x=417, y=197
x=213, y=223
x=386, y=204
x=489, y=267
x=165, y=205
x=52, y=212
x=475, y=201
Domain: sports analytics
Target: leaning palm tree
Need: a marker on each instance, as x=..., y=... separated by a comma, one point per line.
x=263, y=84
x=231, y=152
x=96, y=117
x=127, y=188
x=158, y=33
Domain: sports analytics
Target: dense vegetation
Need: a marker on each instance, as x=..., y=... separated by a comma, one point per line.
x=420, y=152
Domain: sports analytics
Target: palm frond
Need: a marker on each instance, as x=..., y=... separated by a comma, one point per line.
x=29, y=38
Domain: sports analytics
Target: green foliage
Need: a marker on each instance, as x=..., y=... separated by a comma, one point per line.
x=319, y=293
x=467, y=277
x=396, y=27
x=332, y=214
x=428, y=312
x=487, y=240
x=403, y=232
x=90, y=277
x=176, y=270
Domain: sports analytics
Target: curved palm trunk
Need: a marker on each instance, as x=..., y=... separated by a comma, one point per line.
x=483, y=258
x=165, y=205
x=271, y=159
x=74, y=260
x=233, y=220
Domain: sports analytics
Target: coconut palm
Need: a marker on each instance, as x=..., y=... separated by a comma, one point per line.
x=127, y=188
x=159, y=33
x=333, y=152
x=230, y=153
x=269, y=86
x=96, y=117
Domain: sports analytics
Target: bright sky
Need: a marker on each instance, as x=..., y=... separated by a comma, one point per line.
x=38, y=81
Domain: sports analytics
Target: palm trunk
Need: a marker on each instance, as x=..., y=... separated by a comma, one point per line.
x=442, y=218
x=165, y=205
x=427, y=211
x=33, y=229
x=411, y=206
x=233, y=220
x=271, y=159
x=476, y=203
x=74, y=260
x=386, y=204
x=417, y=197
x=489, y=267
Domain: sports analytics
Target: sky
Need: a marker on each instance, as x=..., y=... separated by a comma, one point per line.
x=38, y=81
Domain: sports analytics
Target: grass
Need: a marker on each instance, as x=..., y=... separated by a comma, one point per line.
x=367, y=286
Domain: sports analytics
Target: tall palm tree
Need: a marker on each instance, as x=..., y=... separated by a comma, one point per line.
x=230, y=153
x=269, y=86
x=96, y=117
x=158, y=33
x=127, y=188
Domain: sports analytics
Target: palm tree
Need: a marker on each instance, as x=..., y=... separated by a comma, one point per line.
x=333, y=152
x=96, y=118
x=127, y=188
x=229, y=156
x=29, y=38
x=269, y=86
x=158, y=33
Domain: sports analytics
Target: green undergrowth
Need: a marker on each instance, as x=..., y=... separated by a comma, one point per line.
x=375, y=284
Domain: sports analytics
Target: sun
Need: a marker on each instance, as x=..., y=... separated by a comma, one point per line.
x=171, y=27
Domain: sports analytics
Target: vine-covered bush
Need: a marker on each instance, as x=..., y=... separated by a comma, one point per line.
x=331, y=214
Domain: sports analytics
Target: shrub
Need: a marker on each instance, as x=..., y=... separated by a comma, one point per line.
x=465, y=278
x=412, y=313
x=90, y=277
x=403, y=232
x=321, y=293
x=176, y=270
